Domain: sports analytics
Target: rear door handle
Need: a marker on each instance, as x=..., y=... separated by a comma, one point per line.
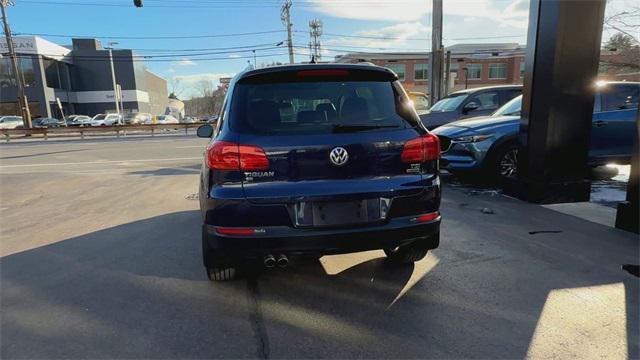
x=600, y=123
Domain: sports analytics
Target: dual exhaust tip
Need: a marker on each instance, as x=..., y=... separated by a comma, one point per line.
x=281, y=261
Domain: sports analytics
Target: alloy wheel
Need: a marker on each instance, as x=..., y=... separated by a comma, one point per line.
x=509, y=163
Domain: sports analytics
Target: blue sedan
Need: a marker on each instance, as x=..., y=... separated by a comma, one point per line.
x=489, y=145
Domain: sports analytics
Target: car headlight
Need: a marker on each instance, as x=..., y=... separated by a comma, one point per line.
x=472, y=139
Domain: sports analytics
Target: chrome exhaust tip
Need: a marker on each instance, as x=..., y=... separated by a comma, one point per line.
x=282, y=261
x=269, y=261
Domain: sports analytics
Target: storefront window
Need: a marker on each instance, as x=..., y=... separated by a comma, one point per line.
x=12, y=108
x=26, y=68
x=6, y=77
x=51, y=73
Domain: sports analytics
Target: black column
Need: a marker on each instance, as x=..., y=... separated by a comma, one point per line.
x=563, y=52
x=628, y=215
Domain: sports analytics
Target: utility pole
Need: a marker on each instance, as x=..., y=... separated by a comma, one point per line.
x=315, y=31
x=447, y=72
x=22, y=97
x=285, y=16
x=113, y=79
x=436, y=53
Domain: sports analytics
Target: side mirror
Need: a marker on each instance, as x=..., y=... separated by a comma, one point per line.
x=205, y=131
x=470, y=106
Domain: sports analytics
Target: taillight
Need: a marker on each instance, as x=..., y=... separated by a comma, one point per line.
x=235, y=231
x=223, y=155
x=421, y=149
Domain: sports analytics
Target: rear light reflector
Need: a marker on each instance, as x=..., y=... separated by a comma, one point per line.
x=326, y=72
x=428, y=217
x=223, y=155
x=235, y=231
x=421, y=149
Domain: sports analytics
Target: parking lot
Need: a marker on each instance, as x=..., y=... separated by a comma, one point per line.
x=100, y=246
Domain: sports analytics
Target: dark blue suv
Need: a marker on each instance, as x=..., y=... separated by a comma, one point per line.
x=317, y=159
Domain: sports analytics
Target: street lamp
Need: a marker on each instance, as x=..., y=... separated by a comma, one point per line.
x=113, y=78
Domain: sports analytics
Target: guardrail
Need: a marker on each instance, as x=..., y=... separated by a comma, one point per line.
x=82, y=130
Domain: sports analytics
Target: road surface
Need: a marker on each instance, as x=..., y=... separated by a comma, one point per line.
x=100, y=258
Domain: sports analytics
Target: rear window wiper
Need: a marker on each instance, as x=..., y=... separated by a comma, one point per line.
x=359, y=127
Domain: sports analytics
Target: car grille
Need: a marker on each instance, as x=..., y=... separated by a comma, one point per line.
x=445, y=143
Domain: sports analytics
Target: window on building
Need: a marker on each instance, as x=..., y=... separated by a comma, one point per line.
x=522, y=69
x=474, y=71
x=26, y=68
x=498, y=71
x=51, y=73
x=420, y=71
x=454, y=68
x=6, y=77
x=25, y=65
x=399, y=69
x=65, y=77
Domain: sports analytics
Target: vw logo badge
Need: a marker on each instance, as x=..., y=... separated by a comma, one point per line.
x=339, y=156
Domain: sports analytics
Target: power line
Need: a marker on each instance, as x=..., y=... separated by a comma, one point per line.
x=122, y=59
x=152, y=37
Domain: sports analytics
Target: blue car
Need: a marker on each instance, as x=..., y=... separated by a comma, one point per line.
x=489, y=145
x=317, y=159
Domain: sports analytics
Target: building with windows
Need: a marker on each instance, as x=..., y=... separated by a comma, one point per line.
x=80, y=76
x=472, y=65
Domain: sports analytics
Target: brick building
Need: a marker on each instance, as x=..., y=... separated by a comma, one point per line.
x=472, y=65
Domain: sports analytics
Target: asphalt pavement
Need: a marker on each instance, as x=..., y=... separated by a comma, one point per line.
x=100, y=258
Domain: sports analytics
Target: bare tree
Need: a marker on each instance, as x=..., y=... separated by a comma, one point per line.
x=626, y=22
x=175, y=87
x=205, y=88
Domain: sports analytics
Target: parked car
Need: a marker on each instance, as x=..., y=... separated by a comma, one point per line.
x=10, y=122
x=105, y=120
x=489, y=145
x=137, y=118
x=469, y=103
x=420, y=102
x=189, y=120
x=351, y=172
x=47, y=122
x=166, y=119
x=78, y=120
x=212, y=119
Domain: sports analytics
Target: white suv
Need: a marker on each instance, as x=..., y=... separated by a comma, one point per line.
x=105, y=120
x=10, y=122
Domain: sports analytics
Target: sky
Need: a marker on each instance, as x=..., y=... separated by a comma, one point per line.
x=192, y=40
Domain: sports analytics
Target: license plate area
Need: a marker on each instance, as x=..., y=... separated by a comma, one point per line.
x=324, y=213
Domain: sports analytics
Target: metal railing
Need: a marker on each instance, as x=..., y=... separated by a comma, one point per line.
x=119, y=130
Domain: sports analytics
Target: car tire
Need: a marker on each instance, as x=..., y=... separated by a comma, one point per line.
x=215, y=272
x=410, y=253
x=503, y=163
x=221, y=273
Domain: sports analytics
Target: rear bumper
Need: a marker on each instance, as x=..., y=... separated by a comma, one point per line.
x=281, y=239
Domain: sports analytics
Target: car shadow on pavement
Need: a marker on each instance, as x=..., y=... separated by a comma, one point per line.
x=169, y=171
x=138, y=290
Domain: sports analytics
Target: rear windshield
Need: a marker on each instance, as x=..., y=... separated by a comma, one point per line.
x=318, y=107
